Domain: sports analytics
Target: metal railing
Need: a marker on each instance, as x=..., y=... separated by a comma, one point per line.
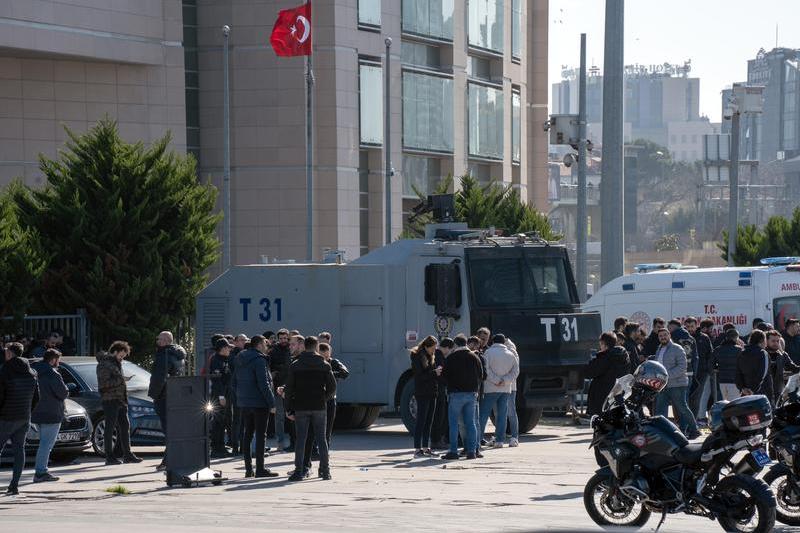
x=75, y=326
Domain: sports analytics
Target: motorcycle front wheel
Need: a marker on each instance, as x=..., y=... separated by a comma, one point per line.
x=751, y=504
x=786, y=489
x=608, y=507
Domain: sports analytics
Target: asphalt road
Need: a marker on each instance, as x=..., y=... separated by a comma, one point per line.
x=376, y=486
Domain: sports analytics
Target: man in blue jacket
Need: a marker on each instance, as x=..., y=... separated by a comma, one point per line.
x=252, y=385
x=49, y=412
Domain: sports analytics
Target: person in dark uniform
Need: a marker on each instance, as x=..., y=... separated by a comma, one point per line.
x=219, y=373
x=439, y=430
x=169, y=361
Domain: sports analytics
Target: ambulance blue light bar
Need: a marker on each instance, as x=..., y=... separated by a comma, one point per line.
x=779, y=261
x=648, y=267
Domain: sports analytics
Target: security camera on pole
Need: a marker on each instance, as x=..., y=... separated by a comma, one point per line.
x=291, y=36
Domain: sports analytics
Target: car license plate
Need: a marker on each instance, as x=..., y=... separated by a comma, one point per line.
x=761, y=457
x=67, y=437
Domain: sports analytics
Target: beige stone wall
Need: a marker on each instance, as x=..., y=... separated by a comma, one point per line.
x=72, y=62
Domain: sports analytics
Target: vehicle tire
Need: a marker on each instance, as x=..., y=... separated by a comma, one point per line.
x=408, y=406
x=750, y=499
x=344, y=413
x=779, y=480
x=98, y=437
x=370, y=416
x=528, y=418
x=611, y=511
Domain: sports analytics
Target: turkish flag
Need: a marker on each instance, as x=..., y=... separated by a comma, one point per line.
x=291, y=35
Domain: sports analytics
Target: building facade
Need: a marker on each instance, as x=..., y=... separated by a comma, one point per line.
x=662, y=105
x=468, y=95
x=73, y=62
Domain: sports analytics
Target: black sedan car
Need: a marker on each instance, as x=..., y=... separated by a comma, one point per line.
x=73, y=438
x=80, y=375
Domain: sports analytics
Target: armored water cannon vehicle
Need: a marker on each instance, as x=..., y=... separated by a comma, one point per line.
x=455, y=280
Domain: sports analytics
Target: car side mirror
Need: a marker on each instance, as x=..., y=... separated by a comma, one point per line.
x=73, y=389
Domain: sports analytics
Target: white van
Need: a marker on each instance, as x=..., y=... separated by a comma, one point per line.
x=737, y=295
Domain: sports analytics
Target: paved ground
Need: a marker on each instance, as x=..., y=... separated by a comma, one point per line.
x=376, y=487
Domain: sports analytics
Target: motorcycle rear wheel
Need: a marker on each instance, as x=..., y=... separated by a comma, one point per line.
x=609, y=508
x=751, y=499
x=786, y=511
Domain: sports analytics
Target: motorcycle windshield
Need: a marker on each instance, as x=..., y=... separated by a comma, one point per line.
x=621, y=390
x=790, y=391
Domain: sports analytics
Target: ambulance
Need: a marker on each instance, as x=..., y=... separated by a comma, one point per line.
x=736, y=295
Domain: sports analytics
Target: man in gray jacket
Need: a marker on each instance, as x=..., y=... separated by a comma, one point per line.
x=673, y=357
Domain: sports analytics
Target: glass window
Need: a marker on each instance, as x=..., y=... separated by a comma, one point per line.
x=431, y=18
x=515, y=127
x=140, y=378
x=420, y=174
x=370, y=99
x=479, y=67
x=485, y=121
x=526, y=280
x=486, y=24
x=369, y=12
x=427, y=112
x=516, y=29
x=419, y=54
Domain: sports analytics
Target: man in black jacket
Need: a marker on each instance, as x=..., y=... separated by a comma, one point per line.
x=219, y=373
x=49, y=411
x=464, y=374
x=309, y=385
x=610, y=364
x=169, y=361
x=792, y=338
x=439, y=433
x=752, y=367
x=724, y=359
x=779, y=362
x=279, y=358
x=631, y=331
x=650, y=345
x=699, y=388
x=18, y=392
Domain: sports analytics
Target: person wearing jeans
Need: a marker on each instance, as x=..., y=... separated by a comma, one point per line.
x=502, y=369
x=49, y=411
x=280, y=357
x=463, y=373
x=673, y=357
x=426, y=384
x=310, y=383
x=513, y=418
x=252, y=385
x=18, y=392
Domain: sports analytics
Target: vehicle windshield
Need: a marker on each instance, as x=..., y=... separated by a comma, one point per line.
x=623, y=386
x=784, y=309
x=139, y=381
x=526, y=279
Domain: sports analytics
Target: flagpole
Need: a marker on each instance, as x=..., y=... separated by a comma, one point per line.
x=309, y=155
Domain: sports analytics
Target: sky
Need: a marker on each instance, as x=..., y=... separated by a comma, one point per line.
x=719, y=36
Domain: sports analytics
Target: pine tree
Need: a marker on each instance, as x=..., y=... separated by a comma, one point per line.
x=23, y=260
x=129, y=231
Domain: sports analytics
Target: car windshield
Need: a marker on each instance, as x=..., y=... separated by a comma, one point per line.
x=139, y=381
x=524, y=280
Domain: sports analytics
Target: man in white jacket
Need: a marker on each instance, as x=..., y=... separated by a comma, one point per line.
x=513, y=420
x=502, y=369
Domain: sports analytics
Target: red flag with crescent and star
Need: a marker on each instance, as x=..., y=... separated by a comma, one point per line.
x=291, y=35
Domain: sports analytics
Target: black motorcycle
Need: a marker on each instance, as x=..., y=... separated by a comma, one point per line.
x=648, y=465
x=784, y=446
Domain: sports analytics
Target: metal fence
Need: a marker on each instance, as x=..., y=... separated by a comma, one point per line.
x=75, y=326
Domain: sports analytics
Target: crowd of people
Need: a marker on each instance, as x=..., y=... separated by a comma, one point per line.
x=696, y=360
x=458, y=383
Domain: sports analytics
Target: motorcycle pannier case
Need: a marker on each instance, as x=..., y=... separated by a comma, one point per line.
x=748, y=413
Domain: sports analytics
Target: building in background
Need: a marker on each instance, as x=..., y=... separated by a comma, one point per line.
x=469, y=95
x=72, y=62
x=662, y=105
